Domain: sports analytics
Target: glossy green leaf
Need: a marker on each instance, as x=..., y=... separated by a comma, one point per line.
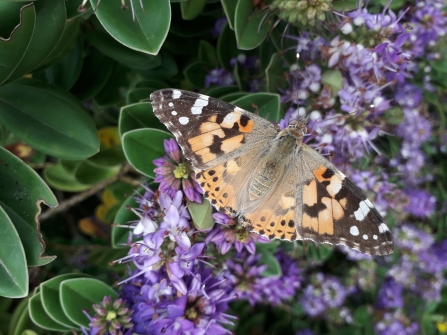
x=90, y=173
x=48, y=29
x=207, y=53
x=192, y=8
x=58, y=177
x=111, y=94
x=48, y=118
x=49, y=292
x=96, y=71
x=101, y=39
x=230, y=97
x=82, y=293
x=13, y=269
x=124, y=215
x=286, y=47
x=334, y=79
x=139, y=115
x=40, y=317
x=20, y=321
x=69, y=37
x=268, y=258
x=229, y=7
x=142, y=146
x=23, y=191
x=66, y=72
x=138, y=95
x=201, y=215
x=166, y=70
x=196, y=73
x=348, y=5
x=250, y=25
x=13, y=47
x=217, y=92
x=276, y=80
x=227, y=48
x=109, y=157
x=146, y=32
x=268, y=105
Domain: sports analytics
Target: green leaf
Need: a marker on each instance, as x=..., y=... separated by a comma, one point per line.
x=66, y=72
x=96, y=71
x=192, y=8
x=217, y=92
x=20, y=321
x=48, y=29
x=105, y=43
x=111, y=95
x=229, y=7
x=123, y=217
x=142, y=146
x=146, y=32
x=285, y=46
x=49, y=292
x=58, y=177
x=13, y=269
x=196, y=73
x=72, y=7
x=268, y=105
x=201, y=215
x=41, y=318
x=230, y=97
x=137, y=116
x=227, y=48
x=276, y=79
x=268, y=258
x=250, y=25
x=22, y=193
x=13, y=48
x=138, y=95
x=334, y=79
x=347, y=5
x=48, y=118
x=69, y=37
x=82, y=293
x=90, y=173
x=207, y=53
x=166, y=70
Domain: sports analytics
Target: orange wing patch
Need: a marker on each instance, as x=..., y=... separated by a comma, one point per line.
x=219, y=191
x=329, y=178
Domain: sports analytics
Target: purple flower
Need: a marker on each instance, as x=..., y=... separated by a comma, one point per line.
x=230, y=233
x=390, y=295
x=219, y=77
x=174, y=172
x=422, y=204
x=396, y=323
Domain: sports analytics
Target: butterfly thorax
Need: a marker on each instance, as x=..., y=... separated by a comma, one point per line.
x=272, y=165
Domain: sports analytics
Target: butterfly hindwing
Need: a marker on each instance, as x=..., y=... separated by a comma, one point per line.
x=210, y=131
x=335, y=210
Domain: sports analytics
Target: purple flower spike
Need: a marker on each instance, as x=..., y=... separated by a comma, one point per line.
x=173, y=172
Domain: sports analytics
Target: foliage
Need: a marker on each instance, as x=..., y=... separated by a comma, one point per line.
x=79, y=136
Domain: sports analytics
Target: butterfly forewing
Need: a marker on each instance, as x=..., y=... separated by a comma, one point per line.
x=210, y=131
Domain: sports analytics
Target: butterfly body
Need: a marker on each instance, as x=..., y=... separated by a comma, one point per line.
x=266, y=177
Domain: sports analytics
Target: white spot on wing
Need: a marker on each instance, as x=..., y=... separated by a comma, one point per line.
x=183, y=120
x=171, y=104
x=199, y=104
x=370, y=205
x=176, y=94
x=354, y=231
x=342, y=174
x=383, y=228
x=375, y=237
x=365, y=237
x=174, y=113
x=204, y=97
x=362, y=212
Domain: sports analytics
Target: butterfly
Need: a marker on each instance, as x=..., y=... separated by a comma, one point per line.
x=274, y=184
